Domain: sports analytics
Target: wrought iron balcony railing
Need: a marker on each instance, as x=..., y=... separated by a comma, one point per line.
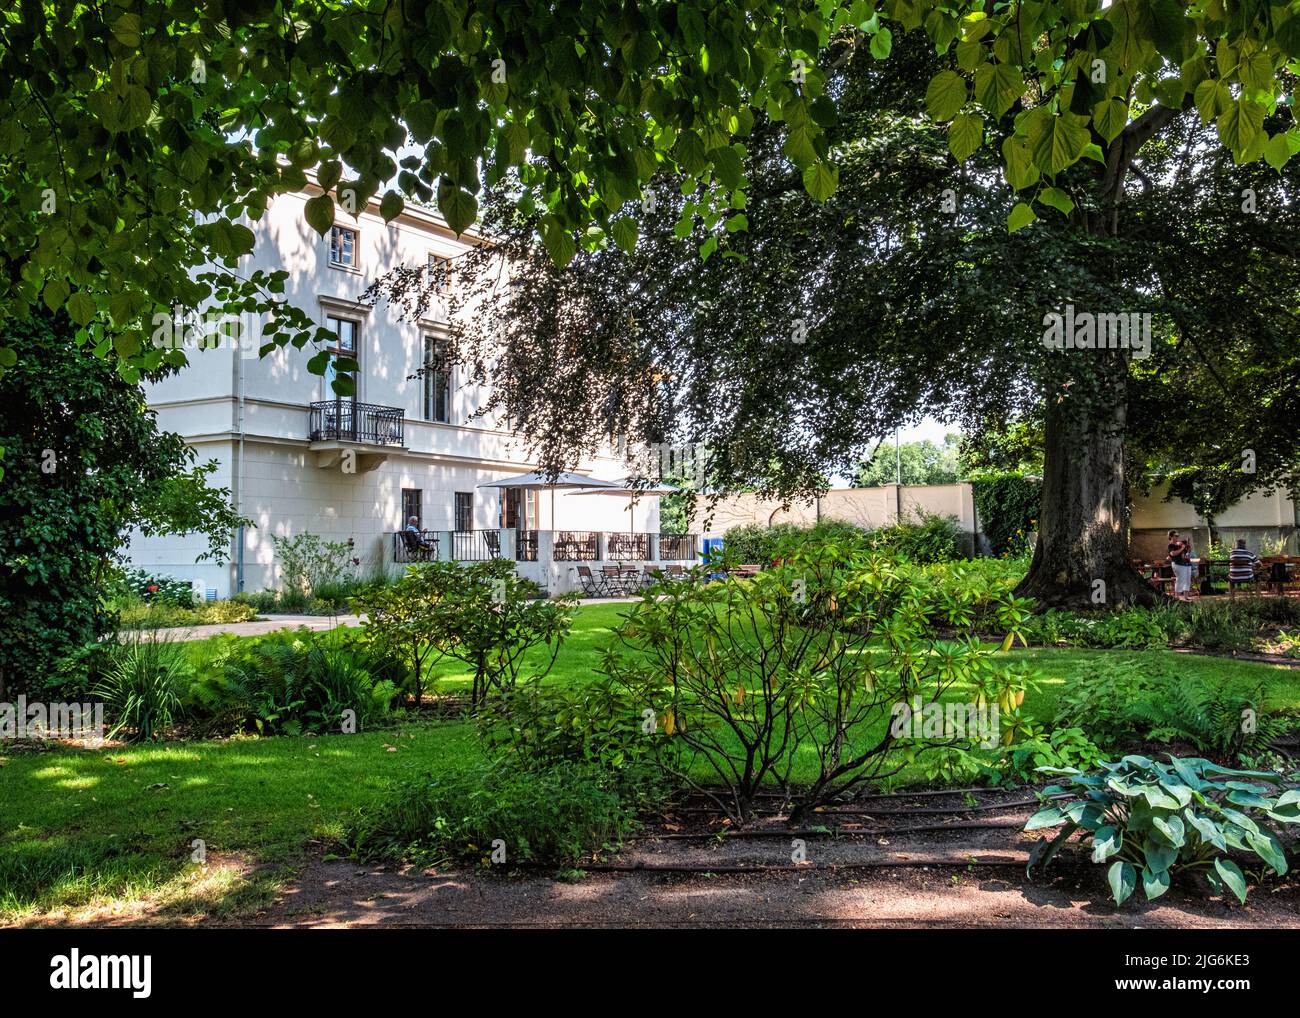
x=343, y=420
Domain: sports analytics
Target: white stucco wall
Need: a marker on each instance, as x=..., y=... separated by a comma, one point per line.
x=280, y=484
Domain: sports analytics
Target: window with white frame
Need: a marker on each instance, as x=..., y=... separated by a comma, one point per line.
x=344, y=349
x=439, y=273
x=343, y=247
x=437, y=380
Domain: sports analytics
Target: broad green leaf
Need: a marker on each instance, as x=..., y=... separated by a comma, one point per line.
x=1232, y=877
x=1171, y=829
x=319, y=212
x=965, y=135
x=820, y=180
x=559, y=244
x=1106, y=842
x=1240, y=124
x=1277, y=151
x=998, y=86
x=946, y=95
x=1122, y=879
x=1256, y=72
x=391, y=206
x=624, y=232
x=1021, y=216
x=55, y=293
x=1268, y=848
x=1110, y=117
x=727, y=165
x=1049, y=816
x=1058, y=142
x=1212, y=98
x=1020, y=169
x=1208, y=830
x=81, y=307
x=799, y=146
x=459, y=208
x=1057, y=199
x=126, y=30
x=1154, y=882
x=882, y=43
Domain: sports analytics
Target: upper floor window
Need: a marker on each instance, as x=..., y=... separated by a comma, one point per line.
x=437, y=380
x=439, y=273
x=343, y=247
x=344, y=349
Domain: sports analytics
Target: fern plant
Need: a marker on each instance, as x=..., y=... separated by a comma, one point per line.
x=1217, y=720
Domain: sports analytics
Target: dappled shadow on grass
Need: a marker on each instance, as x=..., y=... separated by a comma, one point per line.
x=118, y=827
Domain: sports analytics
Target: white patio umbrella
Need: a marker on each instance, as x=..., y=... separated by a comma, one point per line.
x=625, y=487
x=540, y=481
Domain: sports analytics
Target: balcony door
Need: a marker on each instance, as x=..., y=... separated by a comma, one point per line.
x=519, y=509
x=344, y=349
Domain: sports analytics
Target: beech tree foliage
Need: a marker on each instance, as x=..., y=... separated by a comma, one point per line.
x=793, y=345
x=140, y=141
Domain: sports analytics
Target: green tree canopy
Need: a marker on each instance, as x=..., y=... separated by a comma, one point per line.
x=920, y=462
x=85, y=464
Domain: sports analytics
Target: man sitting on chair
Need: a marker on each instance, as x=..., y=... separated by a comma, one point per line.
x=415, y=541
x=1241, y=566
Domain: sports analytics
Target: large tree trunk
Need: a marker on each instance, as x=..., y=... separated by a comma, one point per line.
x=1082, y=534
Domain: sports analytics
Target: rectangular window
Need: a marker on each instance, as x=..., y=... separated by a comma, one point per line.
x=437, y=380
x=345, y=329
x=343, y=246
x=439, y=273
x=411, y=506
x=464, y=510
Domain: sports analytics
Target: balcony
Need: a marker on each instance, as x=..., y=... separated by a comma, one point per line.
x=342, y=420
x=354, y=436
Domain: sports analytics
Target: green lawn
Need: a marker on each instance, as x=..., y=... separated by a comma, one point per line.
x=81, y=830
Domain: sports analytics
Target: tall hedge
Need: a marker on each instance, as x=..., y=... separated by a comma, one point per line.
x=1006, y=503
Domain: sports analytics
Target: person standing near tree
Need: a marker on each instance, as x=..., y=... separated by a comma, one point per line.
x=1180, y=557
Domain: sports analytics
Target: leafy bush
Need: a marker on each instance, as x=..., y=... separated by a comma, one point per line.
x=930, y=538
x=1133, y=628
x=141, y=687
x=541, y=724
x=158, y=589
x=294, y=682
x=309, y=564
x=1156, y=820
x=1101, y=698
x=809, y=658
x=1007, y=505
x=481, y=613
x=751, y=543
x=1062, y=747
x=555, y=816
x=136, y=614
x=217, y=612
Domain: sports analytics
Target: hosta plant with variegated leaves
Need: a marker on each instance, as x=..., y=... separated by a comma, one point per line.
x=1149, y=820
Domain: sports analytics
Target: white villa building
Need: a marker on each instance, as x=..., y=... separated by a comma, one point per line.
x=298, y=459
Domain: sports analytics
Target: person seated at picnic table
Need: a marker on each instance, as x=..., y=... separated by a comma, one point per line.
x=1241, y=566
x=1180, y=557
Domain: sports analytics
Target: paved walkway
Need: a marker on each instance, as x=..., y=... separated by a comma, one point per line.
x=271, y=623
x=265, y=624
